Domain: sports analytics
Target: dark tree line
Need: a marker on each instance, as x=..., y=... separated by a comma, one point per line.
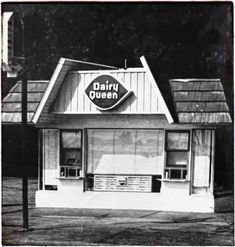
x=182, y=40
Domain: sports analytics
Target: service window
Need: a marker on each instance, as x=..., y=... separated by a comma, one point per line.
x=71, y=153
x=177, y=154
x=124, y=155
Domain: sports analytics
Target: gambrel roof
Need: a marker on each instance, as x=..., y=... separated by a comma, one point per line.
x=200, y=101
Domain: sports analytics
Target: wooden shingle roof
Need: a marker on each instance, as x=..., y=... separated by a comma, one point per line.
x=200, y=101
x=11, y=104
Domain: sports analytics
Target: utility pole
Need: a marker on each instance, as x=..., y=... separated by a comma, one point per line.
x=24, y=134
x=12, y=68
x=24, y=152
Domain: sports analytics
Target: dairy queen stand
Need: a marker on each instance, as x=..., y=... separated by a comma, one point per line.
x=107, y=138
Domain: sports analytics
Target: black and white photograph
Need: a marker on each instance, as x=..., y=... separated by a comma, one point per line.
x=117, y=123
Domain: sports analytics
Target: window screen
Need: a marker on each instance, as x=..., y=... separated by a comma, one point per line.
x=177, y=140
x=71, y=154
x=177, y=152
x=71, y=139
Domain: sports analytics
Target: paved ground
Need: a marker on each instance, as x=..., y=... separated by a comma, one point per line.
x=111, y=227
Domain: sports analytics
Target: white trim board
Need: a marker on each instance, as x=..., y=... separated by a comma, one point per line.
x=48, y=90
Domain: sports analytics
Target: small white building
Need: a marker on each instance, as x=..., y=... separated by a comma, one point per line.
x=108, y=139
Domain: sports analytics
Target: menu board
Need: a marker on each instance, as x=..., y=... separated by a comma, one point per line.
x=201, y=171
x=122, y=183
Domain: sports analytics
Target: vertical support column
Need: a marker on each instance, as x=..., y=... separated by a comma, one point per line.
x=190, y=165
x=164, y=153
x=40, y=168
x=43, y=159
x=84, y=158
x=212, y=161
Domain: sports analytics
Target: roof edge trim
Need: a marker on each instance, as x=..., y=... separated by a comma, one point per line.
x=71, y=62
x=150, y=75
x=194, y=79
x=48, y=90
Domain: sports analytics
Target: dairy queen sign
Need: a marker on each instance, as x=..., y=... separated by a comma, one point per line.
x=106, y=92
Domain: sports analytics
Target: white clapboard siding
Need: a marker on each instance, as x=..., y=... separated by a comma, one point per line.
x=144, y=99
x=50, y=156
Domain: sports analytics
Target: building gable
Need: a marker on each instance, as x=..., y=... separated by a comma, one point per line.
x=66, y=92
x=145, y=98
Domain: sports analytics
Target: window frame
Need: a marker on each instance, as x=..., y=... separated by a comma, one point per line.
x=171, y=167
x=67, y=167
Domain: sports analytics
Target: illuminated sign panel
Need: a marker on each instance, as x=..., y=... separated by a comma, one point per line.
x=106, y=92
